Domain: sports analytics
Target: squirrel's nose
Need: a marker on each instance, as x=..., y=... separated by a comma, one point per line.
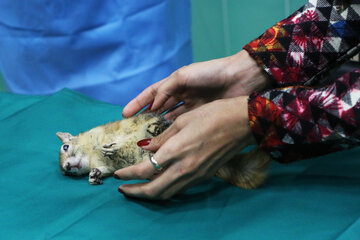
x=68, y=167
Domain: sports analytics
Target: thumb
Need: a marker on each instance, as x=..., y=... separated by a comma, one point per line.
x=153, y=144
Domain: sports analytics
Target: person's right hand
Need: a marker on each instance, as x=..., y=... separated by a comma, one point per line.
x=200, y=83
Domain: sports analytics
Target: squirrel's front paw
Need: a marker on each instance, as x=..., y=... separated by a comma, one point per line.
x=94, y=177
x=108, y=149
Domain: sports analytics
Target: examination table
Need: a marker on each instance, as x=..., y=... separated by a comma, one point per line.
x=310, y=199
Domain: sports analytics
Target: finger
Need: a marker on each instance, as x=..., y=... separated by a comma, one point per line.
x=145, y=169
x=174, y=113
x=159, y=100
x=180, y=187
x=141, y=171
x=143, y=99
x=161, y=139
x=165, y=91
x=150, y=190
x=163, y=157
x=169, y=104
x=163, y=186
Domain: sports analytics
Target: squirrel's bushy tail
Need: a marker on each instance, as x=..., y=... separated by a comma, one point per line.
x=246, y=170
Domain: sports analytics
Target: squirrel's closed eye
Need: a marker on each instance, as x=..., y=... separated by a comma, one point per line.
x=66, y=147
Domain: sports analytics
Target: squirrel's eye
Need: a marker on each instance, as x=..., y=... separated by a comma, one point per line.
x=66, y=147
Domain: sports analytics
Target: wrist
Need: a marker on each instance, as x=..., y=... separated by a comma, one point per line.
x=243, y=71
x=242, y=116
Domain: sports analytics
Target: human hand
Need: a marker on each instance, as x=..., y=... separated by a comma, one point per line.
x=200, y=83
x=192, y=149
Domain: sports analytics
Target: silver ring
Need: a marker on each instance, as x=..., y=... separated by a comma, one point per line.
x=155, y=163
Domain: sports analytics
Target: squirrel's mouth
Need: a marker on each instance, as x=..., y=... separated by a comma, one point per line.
x=72, y=168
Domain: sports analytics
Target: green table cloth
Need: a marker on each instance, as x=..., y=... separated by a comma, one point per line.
x=311, y=199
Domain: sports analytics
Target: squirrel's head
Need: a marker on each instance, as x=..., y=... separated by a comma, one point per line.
x=73, y=160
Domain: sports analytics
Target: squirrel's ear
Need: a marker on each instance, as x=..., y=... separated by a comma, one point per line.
x=64, y=137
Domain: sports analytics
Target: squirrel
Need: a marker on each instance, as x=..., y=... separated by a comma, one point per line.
x=102, y=150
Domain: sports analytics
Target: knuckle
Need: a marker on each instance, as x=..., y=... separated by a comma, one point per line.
x=202, y=174
x=179, y=122
x=181, y=74
x=192, y=171
x=175, y=125
x=185, y=170
x=139, y=172
x=158, y=139
x=164, y=197
x=149, y=193
x=173, y=148
x=153, y=90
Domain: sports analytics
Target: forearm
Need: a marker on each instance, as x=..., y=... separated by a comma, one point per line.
x=302, y=47
x=299, y=122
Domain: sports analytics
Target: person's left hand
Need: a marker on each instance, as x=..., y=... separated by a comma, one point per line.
x=192, y=149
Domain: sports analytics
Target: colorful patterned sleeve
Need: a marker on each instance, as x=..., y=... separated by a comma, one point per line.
x=317, y=37
x=298, y=122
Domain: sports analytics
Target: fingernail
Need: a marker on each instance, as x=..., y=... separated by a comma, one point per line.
x=150, y=106
x=144, y=142
x=122, y=192
x=116, y=176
